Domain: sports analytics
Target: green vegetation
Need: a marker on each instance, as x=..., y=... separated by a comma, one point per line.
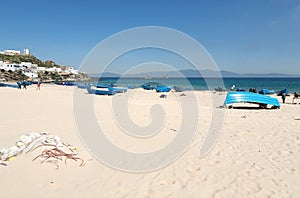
x=18, y=58
x=13, y=76
x=45, y=76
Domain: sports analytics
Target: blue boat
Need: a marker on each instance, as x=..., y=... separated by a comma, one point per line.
x=266, y=91
x=157, y=86
x=284, y=91
x=132, y=86
x=248, y=97
x=100, y=91
x=118, y=89
x=150, y=85
x=8, y=85
x=163, y=88
x=99, y=85
x=67, y=83
x=81, y=85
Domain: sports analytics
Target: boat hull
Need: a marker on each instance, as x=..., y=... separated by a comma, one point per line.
x=163, y=88
x=100, y=91
x=247, y=97
x=266, y=91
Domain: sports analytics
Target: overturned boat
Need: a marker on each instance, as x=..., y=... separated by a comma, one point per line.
x=252, y=98
x=284, y=91
x=100, y=91
x=163, y=88
x=266, y=91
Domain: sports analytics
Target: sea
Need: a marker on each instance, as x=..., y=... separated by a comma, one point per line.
x=276, y=84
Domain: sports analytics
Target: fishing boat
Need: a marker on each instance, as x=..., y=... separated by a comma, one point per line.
x=100, y=91
x=150, y=85
x=81, y=85
x=284, y=91
x=112, y=87
x=8, y=85
x=130, y=86
x=252, y=98
x=266, y=91
x=118, y=89
x=163, y=88
x=67, y=83
x=101, y=85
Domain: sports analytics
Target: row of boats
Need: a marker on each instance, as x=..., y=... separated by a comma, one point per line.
x=253, y=90
x=260, y=98
x=238, y=96
x=104, y=89
x=232, y=97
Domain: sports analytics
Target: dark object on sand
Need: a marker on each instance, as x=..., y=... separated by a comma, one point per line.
x=240, y=89
x=181, y=89
x=296, y=96
x=253, y=90
x=163, y=96
x=220, y=89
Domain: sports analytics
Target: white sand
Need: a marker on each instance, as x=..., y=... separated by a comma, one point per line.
x=257, y=155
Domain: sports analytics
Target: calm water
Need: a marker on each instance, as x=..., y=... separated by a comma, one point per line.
x=293, y=84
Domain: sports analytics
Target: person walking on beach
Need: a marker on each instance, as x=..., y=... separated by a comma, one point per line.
x=19, y=85
x=296, y=96
x=232, y=88
x=38, y=86
x=24, y=85
x=283, y=97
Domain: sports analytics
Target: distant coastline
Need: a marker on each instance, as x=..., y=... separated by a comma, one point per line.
x=189, y=73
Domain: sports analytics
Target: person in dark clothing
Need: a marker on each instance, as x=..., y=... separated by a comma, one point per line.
x=24, y=85
x=283, y=97
x=296, y=96
x=19, y=85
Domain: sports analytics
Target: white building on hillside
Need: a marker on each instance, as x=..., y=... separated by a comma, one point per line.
x=30, y=73
x=41, y=68
x=26, y=51
x=28, y=65
x=9, y=66
x=12, y=52
x=71, y=70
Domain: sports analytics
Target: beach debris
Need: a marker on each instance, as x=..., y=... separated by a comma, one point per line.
x=52, y=149
x=163, y=96
x=182, y=94
x=244, y=116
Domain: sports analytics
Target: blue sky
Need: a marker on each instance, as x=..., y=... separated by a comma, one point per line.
x=258, y=36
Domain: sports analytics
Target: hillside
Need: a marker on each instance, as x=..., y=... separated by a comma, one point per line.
x=18, y=58
x=46, y=76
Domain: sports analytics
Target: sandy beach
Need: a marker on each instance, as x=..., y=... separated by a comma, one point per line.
x=257, y=154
